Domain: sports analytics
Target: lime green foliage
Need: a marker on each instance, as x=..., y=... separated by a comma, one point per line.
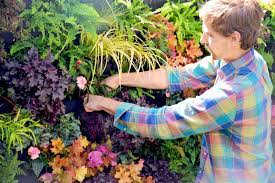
x=68, y=128
x=18, y=131
x=185, y=18
x=183, y=156
x=115, y=47
x=9, y=169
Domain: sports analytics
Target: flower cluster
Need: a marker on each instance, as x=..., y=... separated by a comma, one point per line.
x=101, y=156
x=33, y=152
x=81, y=82
x=76, y=162
x=131, y=173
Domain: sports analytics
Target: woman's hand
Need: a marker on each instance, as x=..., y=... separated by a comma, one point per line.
x=112, y=82
x=98, y=103
x=92, y=103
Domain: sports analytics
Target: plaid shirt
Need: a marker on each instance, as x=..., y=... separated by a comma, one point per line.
x=234, y=116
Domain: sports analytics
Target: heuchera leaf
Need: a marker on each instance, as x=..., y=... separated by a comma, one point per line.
x=38, y=85
x=58, y=146
x=80, y=173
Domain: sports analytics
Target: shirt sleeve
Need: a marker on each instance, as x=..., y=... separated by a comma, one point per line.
x=198, y=75
x=213, y=110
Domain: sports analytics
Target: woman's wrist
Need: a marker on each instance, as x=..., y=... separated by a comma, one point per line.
x=109, y=105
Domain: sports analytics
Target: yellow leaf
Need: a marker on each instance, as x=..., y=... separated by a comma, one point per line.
x=93, y=146
x=109, y=142
x=81, y=173
x=58, y=146
x=83, y=141
x=65, y=177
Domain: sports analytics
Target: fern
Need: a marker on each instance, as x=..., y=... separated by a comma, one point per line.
x=9, y=169
x=86, y=16
x=55, y=25
x=20, y=46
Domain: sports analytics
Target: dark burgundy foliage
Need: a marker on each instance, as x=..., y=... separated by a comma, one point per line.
x=123, y=142
x=37, y=85
x=96, y=126
x=159, y=170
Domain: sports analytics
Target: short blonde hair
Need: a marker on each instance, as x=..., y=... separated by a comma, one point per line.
x=227, y=16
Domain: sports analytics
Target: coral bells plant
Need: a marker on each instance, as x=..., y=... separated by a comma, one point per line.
x=38, y=85
x=101, y=156
x=76, y=162
x=179, y=51
x=131, y=173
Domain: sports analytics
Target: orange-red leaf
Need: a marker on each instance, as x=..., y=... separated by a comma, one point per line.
x=58, y=146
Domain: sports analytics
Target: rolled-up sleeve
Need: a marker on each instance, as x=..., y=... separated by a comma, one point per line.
x=215, y=109
x=198, y=75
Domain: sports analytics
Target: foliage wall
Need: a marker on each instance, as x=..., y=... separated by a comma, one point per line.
x=53, y=52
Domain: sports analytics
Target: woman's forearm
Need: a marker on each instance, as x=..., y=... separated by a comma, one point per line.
x=154, y=79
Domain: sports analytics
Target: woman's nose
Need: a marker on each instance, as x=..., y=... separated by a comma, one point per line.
x=203, y=39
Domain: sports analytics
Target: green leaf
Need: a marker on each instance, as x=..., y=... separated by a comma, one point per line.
x=37, y=166
x=18, y=46
x=268, y=57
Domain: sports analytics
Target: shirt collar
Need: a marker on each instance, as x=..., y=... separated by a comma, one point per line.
x=227, y=69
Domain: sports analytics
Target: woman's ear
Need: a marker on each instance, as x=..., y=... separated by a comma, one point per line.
x=236, y=38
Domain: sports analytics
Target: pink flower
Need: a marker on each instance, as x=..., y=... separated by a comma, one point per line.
x=107, y=152
x=103, y=149
x=95, y=159
x=46, y=178
x=81, y=82
x=113, y=158
x=33, y=152
x=167, y=94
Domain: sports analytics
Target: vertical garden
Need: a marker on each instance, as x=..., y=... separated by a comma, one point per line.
x=53, y=52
